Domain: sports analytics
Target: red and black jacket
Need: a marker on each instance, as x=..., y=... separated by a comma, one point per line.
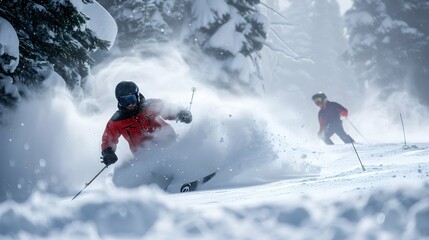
x=331, y=114
x=141, y=125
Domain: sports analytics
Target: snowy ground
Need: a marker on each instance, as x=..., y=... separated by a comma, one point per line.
x=390, y=200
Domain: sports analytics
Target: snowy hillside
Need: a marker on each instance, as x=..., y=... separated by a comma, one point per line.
x=390, y=200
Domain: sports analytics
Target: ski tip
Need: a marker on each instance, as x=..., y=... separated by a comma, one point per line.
x=189, y=187
x=192, y=186
x=208, y=177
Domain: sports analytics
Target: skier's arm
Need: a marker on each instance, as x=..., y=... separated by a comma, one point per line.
x=109, y=141
x=344, y=113
x=342, y=110
x=171, y=111
x=110, y=137
x=321, y=125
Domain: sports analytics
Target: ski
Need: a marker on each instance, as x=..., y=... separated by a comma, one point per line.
x=192, y=186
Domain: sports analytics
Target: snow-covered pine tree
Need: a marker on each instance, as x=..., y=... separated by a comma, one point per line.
x=176, y=14
x=52, y=34
x=389, y=44
x=415, y=45
x=8, y=93
x=139, y=22
x=233, y=32
x=417, y=18
x=9, y=59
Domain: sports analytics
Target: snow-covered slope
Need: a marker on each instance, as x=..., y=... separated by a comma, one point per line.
x=390, y=200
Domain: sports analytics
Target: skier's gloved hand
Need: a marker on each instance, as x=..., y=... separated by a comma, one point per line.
x=109, y=156
x=344, y=113
x=185, y=116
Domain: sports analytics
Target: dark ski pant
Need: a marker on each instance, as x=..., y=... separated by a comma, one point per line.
x=335, y=129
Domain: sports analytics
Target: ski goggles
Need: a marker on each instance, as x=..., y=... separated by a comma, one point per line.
x=318, y=100
x=127, y=100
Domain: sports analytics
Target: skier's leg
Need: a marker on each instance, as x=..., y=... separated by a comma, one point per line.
x=131, y=174
x=159, y=165
x=134, y=174
x=161, y=180
x=150, y=166
x=343, y=135
x=326, y=135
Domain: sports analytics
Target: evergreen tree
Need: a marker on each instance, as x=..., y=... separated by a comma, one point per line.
x=389, y=43
x=232, y=32
x=9, y=59
x=139, y=22
x=176, y=13
x=51, y=34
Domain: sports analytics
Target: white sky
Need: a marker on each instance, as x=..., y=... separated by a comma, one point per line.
x=344, y=5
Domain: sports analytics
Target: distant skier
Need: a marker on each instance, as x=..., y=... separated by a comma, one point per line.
x=330, y=119
x=142, y=123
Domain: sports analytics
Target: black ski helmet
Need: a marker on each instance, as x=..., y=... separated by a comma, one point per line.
x=125, y=88
x=319, y=95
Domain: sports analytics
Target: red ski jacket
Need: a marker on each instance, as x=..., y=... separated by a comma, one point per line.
x=145, y=124
x=331, y=114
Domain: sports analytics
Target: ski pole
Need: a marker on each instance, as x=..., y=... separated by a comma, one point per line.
x=192, y=97
x=403, y=130
x=351, y=124
x=87, y=184
x=363, y=168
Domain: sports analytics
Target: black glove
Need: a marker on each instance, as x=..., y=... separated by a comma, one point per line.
x=109, y=156
x=185, y=116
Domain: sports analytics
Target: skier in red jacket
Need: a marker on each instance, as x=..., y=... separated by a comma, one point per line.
x=330, y=119
x=140, y=121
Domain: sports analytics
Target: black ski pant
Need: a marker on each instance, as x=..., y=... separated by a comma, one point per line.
x=338, y=129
